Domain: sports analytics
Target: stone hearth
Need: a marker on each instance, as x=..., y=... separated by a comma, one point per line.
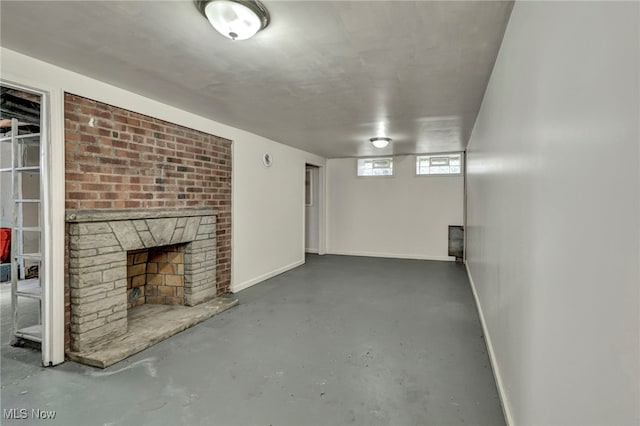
x=148, y=325
x=98, y=245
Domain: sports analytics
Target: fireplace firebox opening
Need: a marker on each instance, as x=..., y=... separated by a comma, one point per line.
x=155, y=276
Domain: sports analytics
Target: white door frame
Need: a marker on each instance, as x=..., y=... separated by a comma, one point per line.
x=53, y=225
x=322, y=210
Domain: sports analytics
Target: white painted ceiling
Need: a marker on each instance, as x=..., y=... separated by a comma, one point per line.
x=323, y=76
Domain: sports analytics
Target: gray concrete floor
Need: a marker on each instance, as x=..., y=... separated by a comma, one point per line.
x=340, y=340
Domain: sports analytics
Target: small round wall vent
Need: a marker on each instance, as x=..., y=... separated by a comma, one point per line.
x=267, y=159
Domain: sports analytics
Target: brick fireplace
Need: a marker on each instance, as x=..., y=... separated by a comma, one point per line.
x=135, y=186
x=100, y=243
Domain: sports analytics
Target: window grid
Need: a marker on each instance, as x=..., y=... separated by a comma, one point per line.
x=375, y=167
x=439, y=164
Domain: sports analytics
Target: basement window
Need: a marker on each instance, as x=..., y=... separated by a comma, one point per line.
x=375, y=166
x=439, y=164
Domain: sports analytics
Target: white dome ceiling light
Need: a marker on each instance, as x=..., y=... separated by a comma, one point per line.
x=380, y=142
x=235, y=19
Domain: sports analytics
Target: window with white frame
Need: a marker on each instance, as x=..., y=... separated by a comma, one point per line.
x=439, y=164
x=375, y=166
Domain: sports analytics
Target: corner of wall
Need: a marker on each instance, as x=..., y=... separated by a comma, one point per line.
x=256, y=280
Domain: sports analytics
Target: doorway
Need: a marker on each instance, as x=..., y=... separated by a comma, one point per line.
x=24, y=216
x=312, y=209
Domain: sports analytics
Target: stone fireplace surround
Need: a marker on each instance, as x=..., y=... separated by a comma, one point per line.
x=98, y=245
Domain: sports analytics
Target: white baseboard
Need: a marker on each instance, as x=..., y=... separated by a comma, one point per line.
x=392, y=255
x=246, y=284
x=310, y=250
x=494, y=363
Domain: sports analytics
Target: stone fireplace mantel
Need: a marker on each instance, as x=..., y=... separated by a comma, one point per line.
x=82, y=216
x=98, y=245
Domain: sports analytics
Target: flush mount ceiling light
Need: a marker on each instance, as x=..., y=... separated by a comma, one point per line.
x=235, y=19
x=380, y=142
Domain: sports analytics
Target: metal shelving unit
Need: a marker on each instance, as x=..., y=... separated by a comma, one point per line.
x=25, y=266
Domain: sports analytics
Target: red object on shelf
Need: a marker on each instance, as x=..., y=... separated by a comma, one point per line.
x=5, y=244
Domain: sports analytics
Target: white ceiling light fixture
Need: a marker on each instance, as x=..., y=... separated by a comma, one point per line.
x=235, y=19
x=380, y=142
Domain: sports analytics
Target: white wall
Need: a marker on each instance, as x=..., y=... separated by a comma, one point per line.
x=401, y=216
x=312, y=214
x=268, y=210
x=267, y=204
x=553, y=213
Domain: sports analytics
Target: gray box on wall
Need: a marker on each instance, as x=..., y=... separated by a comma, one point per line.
x=456, y=242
